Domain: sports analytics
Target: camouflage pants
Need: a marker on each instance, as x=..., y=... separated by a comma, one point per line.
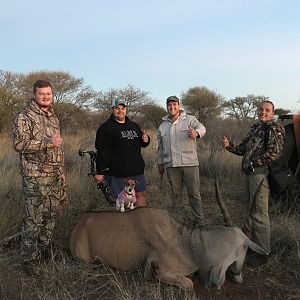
x=44, y=196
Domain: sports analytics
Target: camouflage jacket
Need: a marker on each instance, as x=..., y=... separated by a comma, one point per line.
x=262, y=145
x=32, y=133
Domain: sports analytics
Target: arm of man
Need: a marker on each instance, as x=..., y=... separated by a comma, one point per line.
x=160, y=165
x=159, y=148
x=239, y=149
x=197, y=126
x=23, y=138
x=103, y=146
x=276, y=135
x=145, y=139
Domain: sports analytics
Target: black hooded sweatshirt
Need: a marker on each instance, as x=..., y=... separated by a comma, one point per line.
x=119, y=148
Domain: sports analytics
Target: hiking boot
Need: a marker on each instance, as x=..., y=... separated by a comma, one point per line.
x=257, y=260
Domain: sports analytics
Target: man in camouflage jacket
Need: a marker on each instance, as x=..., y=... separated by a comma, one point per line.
x=37, y=139
x=262, y=145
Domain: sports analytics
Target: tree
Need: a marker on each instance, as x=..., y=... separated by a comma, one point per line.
x=11, y=82
x=243, y=107
x=202, y=102
x=8, y=107
x=9, y=98
x=71, y=93
x=103, y=100
x=151, y=116
x=66, y=88
x=73, y=100
x=135, y=99
x=73, y=118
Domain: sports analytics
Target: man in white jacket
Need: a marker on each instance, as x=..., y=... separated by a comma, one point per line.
x=177, y=154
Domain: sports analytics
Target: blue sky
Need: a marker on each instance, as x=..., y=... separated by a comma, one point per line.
x=234, y=48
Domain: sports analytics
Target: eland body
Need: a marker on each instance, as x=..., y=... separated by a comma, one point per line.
x=168, y=249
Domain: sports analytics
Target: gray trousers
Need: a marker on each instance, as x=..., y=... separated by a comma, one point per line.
x=188, y=177
x=258, y=222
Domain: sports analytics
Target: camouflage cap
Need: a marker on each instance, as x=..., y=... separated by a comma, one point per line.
x=172, y=99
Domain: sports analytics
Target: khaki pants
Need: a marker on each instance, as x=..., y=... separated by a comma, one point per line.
x=43, y=197
x=258, y=222
x=188, y=176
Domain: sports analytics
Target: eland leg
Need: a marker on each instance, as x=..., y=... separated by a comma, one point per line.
x=217, y=276
x=153, y=270
x=234, y=272
x=235, y=269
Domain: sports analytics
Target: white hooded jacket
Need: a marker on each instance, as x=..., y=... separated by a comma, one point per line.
x=175, y=147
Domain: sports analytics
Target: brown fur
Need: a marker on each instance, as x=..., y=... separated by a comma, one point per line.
x=166, y=248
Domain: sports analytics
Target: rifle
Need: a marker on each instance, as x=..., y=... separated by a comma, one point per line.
x=104, y=185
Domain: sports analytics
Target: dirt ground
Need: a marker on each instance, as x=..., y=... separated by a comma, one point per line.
x=259, y=283
x=278, y=280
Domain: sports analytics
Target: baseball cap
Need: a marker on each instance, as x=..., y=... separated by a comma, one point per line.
x=172, y=99
x=117, y=102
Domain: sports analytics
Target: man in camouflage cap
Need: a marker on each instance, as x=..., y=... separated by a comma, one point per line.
x=262, y=145
x=37, y=139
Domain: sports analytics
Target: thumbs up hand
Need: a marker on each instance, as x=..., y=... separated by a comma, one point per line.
x=192, y=133
x=56, y=140
x=225, y=141
x=145, y=136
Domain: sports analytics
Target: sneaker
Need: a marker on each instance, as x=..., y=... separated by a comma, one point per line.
x=257, y=260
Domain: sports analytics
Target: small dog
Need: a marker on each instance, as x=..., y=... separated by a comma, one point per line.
x=127, y=195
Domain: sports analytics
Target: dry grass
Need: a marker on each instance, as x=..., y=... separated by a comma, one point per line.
x=64, y=278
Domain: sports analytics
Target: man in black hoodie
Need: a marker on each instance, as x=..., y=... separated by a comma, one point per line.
x=118, y=143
